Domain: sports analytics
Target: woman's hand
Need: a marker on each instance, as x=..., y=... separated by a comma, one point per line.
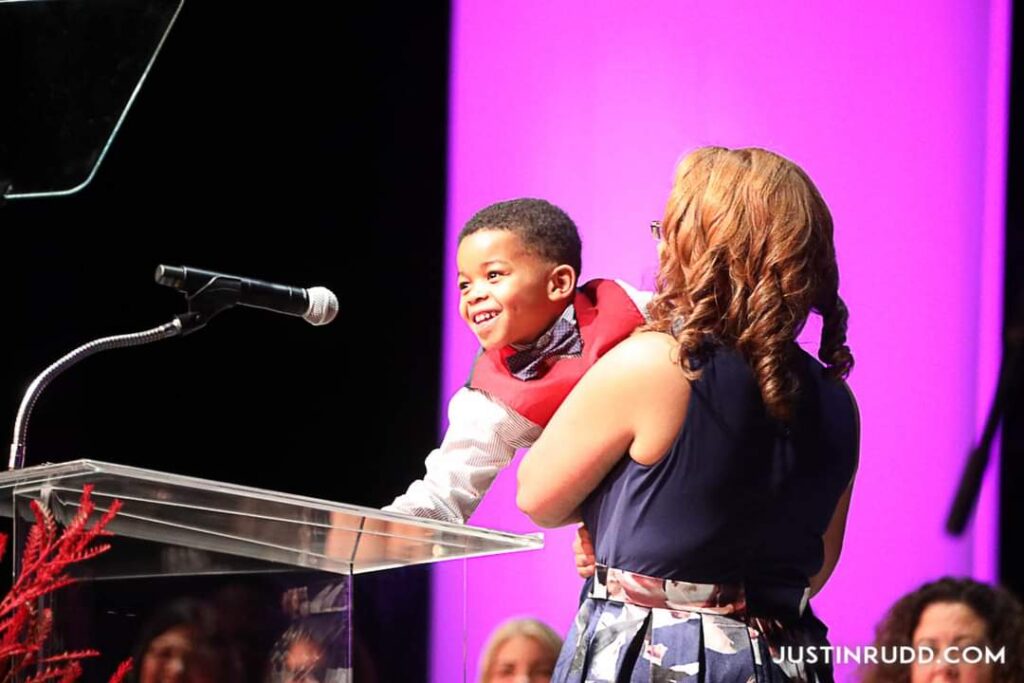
x=583, y=548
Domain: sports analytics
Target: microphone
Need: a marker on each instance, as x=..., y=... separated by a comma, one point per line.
x=316, y=305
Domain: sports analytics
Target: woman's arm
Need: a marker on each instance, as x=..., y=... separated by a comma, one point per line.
x=616, y=408
x=833, y=538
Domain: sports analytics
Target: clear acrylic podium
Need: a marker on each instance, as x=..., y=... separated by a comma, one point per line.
x=177, y=538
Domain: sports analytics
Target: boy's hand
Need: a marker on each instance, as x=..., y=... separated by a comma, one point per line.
x=583, y=548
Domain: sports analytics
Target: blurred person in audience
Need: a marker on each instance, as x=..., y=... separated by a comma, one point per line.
x=312, y=650
x=942, y=619
x=520, y=650
x=183, y=643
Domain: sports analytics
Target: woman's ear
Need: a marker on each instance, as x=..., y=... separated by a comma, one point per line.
x=562, y=282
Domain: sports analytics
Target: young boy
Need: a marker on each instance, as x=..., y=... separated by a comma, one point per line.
x=518, y=264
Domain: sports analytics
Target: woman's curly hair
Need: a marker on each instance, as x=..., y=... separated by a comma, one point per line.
x=1002, y=613
x=747, y=254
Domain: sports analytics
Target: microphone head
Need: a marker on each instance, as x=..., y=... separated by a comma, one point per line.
x=323, y=306
x=169, y=276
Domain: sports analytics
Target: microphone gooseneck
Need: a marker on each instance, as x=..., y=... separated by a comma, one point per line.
x=28, y=401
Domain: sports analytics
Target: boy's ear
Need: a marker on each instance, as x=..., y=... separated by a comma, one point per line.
x=562, y=282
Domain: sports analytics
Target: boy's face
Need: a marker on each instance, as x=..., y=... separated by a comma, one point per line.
x=507, y=293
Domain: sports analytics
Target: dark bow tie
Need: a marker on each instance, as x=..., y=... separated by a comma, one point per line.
x=563, y=339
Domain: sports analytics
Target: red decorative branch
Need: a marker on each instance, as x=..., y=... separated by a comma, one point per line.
x=24, y=625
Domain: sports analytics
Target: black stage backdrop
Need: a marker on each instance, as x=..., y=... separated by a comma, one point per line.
x=1011, y=513
x=301, y=145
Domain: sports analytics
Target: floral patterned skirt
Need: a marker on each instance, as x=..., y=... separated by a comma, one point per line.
x=637, y=628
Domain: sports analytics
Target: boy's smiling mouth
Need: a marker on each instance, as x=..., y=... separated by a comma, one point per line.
x=484, y=316
x=484, y=321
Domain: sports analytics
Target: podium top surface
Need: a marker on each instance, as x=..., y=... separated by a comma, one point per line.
x=249, y=524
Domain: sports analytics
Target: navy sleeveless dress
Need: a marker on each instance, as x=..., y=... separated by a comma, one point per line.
x=704, y=557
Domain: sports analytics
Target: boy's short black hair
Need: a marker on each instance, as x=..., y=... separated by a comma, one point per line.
x=543, y=227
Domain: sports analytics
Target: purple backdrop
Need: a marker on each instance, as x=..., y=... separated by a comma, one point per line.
x=897, y=110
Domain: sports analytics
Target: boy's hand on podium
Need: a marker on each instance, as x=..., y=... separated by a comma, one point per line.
x=375, y=542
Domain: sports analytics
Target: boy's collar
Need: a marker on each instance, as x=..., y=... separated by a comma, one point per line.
x=561, y=339
x=568, y=315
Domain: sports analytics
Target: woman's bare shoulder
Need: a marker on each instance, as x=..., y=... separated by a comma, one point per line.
x=646, y=350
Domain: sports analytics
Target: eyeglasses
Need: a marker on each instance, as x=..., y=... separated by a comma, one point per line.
x=656, y=230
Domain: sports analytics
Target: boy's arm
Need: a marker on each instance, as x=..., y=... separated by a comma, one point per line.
x=483, y=435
